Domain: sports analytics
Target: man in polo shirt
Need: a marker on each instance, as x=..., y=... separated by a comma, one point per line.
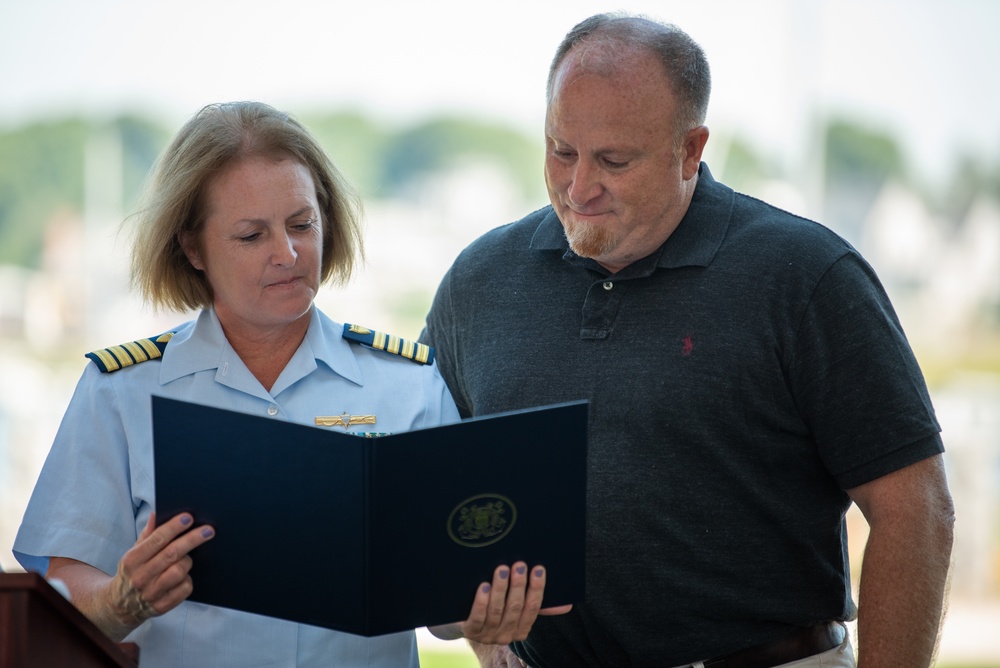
x=748, y=381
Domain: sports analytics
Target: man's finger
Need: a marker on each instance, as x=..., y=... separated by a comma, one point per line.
x=555, y=610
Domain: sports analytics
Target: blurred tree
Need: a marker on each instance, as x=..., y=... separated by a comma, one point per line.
x=142, y=141
x=855, y=152
x=859, y=161
x=743, y=169
x=437, y=144
x=354, y=143
x=41, y=171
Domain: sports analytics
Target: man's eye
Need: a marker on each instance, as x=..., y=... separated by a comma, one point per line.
x=614, y=164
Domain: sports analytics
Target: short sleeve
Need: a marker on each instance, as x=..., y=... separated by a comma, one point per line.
x=857, y=381
x=440, y=333
x=81, y=506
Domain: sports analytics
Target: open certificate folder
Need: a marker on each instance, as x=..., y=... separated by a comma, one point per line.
x=373, y=535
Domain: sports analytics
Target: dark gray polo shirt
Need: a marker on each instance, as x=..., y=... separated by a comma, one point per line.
x=740, y=378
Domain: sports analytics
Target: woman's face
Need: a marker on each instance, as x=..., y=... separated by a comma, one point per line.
x=261, y=246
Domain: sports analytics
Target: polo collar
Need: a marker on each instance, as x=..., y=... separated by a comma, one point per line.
x=694, y=243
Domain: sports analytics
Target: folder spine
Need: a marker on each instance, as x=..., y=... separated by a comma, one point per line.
x=367, y=453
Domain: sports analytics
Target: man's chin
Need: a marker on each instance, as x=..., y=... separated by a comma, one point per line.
x=591, y=243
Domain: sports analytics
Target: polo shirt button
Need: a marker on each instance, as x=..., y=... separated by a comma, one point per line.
x=272, y=410
x=608, y=285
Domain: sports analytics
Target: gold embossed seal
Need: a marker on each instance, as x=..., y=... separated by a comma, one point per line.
x=482, y=520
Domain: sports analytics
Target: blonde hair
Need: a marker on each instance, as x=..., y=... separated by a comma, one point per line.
x=173, y=203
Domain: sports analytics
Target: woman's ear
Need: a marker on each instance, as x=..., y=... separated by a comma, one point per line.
x=190, y=247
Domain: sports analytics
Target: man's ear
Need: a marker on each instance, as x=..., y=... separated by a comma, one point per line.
x=691, y=150
x=190, y=247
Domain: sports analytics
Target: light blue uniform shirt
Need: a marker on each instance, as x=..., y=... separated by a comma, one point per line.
x=95, y=491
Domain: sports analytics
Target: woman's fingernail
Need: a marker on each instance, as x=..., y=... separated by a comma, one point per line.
x=504, y=573
x=185, y=520
x=520, y=570
x=539, y=572
x=486, y=589
x=207, y=532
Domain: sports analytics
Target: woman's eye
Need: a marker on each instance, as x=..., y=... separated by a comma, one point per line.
x=247, y=238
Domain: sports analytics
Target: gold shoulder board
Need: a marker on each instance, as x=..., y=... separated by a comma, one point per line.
x=418, y=352
x=127, y=354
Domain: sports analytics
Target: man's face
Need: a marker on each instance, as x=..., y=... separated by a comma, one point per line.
x=618, y=176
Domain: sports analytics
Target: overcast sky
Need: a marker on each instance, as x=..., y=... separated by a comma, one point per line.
x=921, y=69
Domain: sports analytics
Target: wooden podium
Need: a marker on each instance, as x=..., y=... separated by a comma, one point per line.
x=39, y=628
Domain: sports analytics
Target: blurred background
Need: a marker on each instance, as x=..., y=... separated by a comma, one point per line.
x=879, y=118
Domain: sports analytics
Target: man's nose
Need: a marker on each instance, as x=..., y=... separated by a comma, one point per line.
x=585, y=184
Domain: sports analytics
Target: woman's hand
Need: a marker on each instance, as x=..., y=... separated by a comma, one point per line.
x=153, y=577
x=505, y=610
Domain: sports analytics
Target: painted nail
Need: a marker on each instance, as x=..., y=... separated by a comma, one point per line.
x=539, y=572
x=207, y=532
x=486, y=589
x=520, y=570
x=185, y=520
x=504, y=573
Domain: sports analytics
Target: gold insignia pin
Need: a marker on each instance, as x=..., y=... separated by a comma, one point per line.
x=343, y=420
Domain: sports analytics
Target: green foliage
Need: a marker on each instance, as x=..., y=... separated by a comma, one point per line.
x=855, y=152
x=42, y=175
x=42, y=165
x=355, y=144
x=743, y=167
x=41, y=172
x=142, y=141
x=444, y=659
x=437, y=144
x=859, y=162
x=382, y=162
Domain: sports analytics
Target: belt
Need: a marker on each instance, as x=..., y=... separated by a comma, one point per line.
x=797, y=645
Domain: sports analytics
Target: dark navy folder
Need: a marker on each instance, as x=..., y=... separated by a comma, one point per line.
x=373, y=535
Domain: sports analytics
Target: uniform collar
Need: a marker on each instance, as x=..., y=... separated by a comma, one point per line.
x=694, y=243
x=196, y=346
x=202, y=345
x=326, y=339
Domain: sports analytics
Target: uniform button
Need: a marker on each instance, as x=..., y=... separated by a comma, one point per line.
x=272, y=410
x=608, y=285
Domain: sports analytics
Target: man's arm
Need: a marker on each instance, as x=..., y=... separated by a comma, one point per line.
x=904, y=574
